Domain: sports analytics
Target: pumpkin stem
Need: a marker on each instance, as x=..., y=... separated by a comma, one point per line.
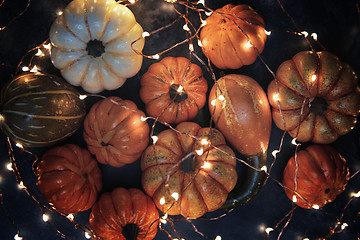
x=95, y=48
x=188, y=163
x=318, y=106
x=176, y=95
x=130, y=231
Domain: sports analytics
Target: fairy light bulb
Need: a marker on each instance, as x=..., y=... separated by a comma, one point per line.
x=313, y=77
x=186, y=27
x=268, y=33
x=213, y=102
x=9, y=167
x=305, y=33
x=45, y=217
x=275, y=152
x=276, y=97
x=21, y=185
x=269, y=230
x=344, y=225
x=264, y=168
x=19, y=145
x=145, y=34
x=34, y=69
x=294, y=198
x=163, y=219
x=221, y=98
x=132, y=1
x=82, y=97
x=17, y=237
x=199, y=43
x=199, y=152
x=155, y=56
x=315, y=206
x=191, y=47
x=70, y=216
x=201, y=2
x=218, y=237
x=248, y=44
x=356, y=194
x=154, y=138
x=204, y=141
x=47, y=46
x=175, y=195
x=162, y=201
x=39, y=53
x=203, y=23
x=143, y=119
x=180, y=89
x=206, y=165
x=87, y=235
x=25, y=69
x=59, y=13
x=314, y=36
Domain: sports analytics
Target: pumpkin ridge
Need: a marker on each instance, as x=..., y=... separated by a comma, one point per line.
x=196, y=186
x=66, y=26
x=44, y=117
x=306, y=87
x=107, y=23
x=297, y=93
x=86, y=20
x=207, y=174
x=334, y=83
x=237, y=55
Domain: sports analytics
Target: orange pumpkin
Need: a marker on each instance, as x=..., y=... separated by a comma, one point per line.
x=324, y=88
x=173, y=89
x=124, y=214
x=69, y=178
x=186, y=175
x=114, y=131
x=233, y=36
x=321, y=175
x=240, y=109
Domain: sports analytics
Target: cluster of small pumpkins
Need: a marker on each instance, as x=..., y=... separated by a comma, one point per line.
x=97, y=45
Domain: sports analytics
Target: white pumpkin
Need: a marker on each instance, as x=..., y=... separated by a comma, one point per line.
x=91, y=44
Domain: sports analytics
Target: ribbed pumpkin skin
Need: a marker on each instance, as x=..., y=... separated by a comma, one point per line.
x=321, y=176
x=113, y=211
x=335, y=92
x=114, y=131
x=69, y=178
x=40, y=109
x=201, y=188
x=159, y=86
x=226, y=36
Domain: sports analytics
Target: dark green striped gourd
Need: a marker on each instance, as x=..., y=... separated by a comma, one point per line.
x=40, y=109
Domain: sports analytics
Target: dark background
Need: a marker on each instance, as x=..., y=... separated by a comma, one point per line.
x=337, y=24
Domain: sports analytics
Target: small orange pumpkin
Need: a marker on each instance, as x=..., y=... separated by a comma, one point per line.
x=182, y=180
x=69, y=178
x=321, y=175
x=322, y=87
x=173, y=89
x=114, y=131
x=233, y=36
x=124, y=214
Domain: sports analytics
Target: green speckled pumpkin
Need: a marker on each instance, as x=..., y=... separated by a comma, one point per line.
x=40, y=109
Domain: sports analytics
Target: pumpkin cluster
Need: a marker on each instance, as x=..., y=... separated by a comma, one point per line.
x=188, y=170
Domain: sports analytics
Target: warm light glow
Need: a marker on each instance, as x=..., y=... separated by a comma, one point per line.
x=294, y=198
x=208, y=13
x=154, y=138
x=175, y=195
x=204, y=141
x=213, y=102
x=17, y=237
x=305, y=33
x=25, y=69
x=186, y=27
x=268, y=230
x=199, y=152
x=293, y=141
x=313, y=78
x=180, y=89
x=21, y=185
x=221, y=98
x=356, y=194
x=59, y=13
x=82, y=97
x=70, y=216
x=275, y=152
x=87, y=235
x=203, y=23
x=156, y=56
x=199, y=43
x=47, y=46
x=34, y=69
x=201, y=2
x=143, y=118
x=218, y=237
x=276, y=97
x=267, y=32
x=45, y=217
x=163, y=218
x=162, y=200
x=248, y=44
x=315, y=206
x=9, y=167
x=191, y=47
x=314, y=36
x=39, y=53
x=344, y=225
x=132, y=1
x=264, y=168
x=206, y=165
x=19, y=145
x=2, y=118
x=145, y=34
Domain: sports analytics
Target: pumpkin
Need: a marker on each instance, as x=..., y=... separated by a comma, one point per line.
x=233, y=36
x=318, y=96
x=39, y=109
x=190, y=171
x=321, y=175
x=173, y=89
x=114, y=131
x=69, y=178
x=92, y=44
x=245, y=120
x=124, y=214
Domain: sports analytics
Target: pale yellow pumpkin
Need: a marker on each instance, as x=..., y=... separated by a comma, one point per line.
x=91, y=44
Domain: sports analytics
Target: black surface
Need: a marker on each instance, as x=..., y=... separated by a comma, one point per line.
x=337, y=24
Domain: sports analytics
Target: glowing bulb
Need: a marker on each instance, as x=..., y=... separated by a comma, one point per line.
x=267, y=32
x=201, y=2
x=314, y=36
x=17, y=237
x=154, y=138
x=356, y=194
x=186, y=27
x=313, y=78
x=25, y=69
x=203, y=23
x=221, y=98
x=199, y=43
x=206, y=165
x=248, y=44
x=264, y=168
x=344, y=225
x=294, y=199
x=59, y=13
x=143, y=118
x=163, y=218
x=87, y=235
x=47, y=46
x=218, y=237
x=19, y=145
x=175, y=195
x=9, y=167
x=213, y=102
x=191, y=47
x=199, y=152
x=162, y=200
x=45, y=217
x=70, y=216
x=21, y=185
x=276, y=97
x=156, y=56
x=39, y=53
x=2, y=118
x=305, y=33
x=208, y=13
x=204, y=141
x=275, y=152
x=82, y=97
x=268, y=230
x=293, y=141
x=132, y=1
x=34, y=69
x=145, y=34
x=315, y=206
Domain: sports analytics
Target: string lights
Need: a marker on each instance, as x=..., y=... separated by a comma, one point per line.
x=43, y=50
